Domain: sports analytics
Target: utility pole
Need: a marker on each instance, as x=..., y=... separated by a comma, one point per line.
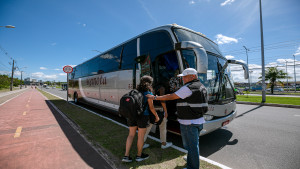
x=248, y=66
x=262, y=57
x=21, y=80
x=12, y=75
x=287, y=79
x=295, y=74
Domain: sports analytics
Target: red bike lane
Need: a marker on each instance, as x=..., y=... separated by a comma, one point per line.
x=34, y=136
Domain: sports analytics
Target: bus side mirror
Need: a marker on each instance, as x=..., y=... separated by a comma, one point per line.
x=245, y=67
x=202, y=60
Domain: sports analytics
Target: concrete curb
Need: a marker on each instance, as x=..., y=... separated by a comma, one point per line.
x=270, y=104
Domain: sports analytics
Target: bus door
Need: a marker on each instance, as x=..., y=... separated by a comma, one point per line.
x=165, y=71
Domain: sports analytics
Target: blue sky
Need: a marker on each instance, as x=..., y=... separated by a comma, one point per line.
x=50, y=34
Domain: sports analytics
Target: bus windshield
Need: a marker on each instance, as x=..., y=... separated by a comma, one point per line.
x=219, y=86
x=185, y=35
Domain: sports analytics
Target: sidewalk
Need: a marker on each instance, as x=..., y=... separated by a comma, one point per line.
x=34, y=136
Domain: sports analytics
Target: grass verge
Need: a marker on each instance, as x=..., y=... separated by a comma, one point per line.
x=271, y=99
x=112, y=138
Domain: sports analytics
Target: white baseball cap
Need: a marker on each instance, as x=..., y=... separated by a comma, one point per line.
x=188, y=71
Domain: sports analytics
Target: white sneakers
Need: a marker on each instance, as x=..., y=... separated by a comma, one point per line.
x=185, y=157
x=168, y=144
x=145, y=146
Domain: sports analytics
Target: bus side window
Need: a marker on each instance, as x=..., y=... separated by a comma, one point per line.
x=128, y=55
x=156, y=43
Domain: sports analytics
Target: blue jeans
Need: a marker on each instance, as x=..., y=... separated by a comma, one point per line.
x=190, y=139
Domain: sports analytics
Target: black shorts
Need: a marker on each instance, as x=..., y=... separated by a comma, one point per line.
x=140, y=122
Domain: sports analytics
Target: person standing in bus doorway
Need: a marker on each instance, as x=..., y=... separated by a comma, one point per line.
x=191, y=105
x=162, y=124
x=141, y=123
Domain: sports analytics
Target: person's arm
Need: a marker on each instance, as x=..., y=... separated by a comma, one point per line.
x=162, y=91
x=152, y=109
x=172, y=96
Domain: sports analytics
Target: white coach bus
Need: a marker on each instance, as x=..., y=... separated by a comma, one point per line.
x=162, y=53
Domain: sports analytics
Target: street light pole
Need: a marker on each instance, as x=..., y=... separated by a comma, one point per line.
x=8, y=26
x=295, y=73
x=21, y=80
x=262, y=56
x=247, y=65
x=287, y=79
x=12, y=75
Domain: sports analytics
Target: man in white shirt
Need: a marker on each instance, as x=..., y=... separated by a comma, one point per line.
x=191, y=105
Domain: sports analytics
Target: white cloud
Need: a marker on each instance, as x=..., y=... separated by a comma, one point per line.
x=42, y=76
x=229, y=57
x=50, y=76
x=298, y=51
x=227, y=2
x=57, y=69
x=5, y=72
x=255, y=70
x=283, y=61
x=221, y=39
x=62, y=74
x=82, y=24
x=43, y=68
x=192, y=2
x=37, y=75
x=53, y=44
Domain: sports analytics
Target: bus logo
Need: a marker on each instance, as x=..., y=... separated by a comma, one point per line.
x=96, y=81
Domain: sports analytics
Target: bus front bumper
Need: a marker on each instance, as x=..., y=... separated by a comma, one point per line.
x=210, y=126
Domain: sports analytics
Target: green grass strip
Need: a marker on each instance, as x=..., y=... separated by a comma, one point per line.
x=270, y=99
x=112, y=137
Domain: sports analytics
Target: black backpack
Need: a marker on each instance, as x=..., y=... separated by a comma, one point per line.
x=131, y=105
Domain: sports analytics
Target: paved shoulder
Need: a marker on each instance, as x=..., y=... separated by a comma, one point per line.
x=34, y=136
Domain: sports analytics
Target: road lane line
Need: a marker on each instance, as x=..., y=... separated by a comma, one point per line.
x=18, y=132
x=24, y=113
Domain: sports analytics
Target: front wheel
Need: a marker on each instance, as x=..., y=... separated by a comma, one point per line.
x=76, y=98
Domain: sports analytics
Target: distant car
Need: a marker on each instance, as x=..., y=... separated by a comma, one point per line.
x=275, y=89
x=47, y=87
x=246, y=88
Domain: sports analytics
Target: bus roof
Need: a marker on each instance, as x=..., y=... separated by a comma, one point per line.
x=164, y=27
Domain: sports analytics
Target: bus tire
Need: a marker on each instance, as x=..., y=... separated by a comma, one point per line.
x=76, y=98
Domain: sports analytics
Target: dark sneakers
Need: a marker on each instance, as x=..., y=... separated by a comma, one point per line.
x=142, y=157
x=127, y=159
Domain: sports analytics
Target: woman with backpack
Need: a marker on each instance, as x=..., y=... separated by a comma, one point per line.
x=141, y=123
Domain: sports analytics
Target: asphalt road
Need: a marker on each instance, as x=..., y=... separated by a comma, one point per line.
x=261, y=137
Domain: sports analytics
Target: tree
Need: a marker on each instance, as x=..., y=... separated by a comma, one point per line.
x=4, y=81
x=273, y=75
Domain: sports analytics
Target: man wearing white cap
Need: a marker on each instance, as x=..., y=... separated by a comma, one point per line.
x=191, y=105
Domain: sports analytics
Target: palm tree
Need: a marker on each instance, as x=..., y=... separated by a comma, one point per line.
x=273, y=75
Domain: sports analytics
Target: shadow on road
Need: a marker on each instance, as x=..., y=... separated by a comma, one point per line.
x=249, y=111
x=215, y=141
x=84, y=150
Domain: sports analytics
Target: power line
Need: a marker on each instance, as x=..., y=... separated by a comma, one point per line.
x=5, y=52
x=266, y=46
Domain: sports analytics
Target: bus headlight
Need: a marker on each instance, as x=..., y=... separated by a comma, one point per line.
x=207, y=117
